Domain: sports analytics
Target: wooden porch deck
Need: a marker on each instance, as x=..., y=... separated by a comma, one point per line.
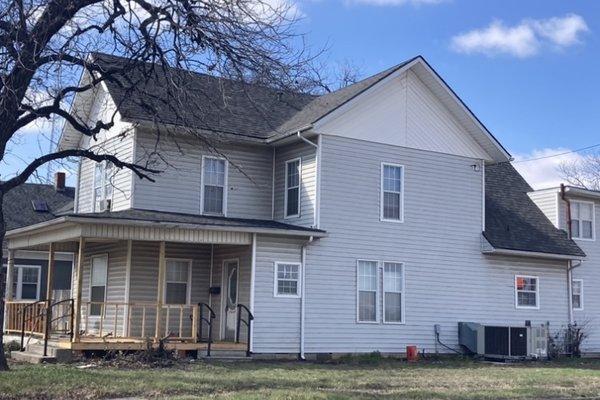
x=86, y=344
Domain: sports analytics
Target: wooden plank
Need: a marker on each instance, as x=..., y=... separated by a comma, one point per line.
x=159, y=296
x=78, y=293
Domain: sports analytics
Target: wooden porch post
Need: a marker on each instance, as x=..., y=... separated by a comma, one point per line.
x=162, y=266
x=49, y=287
x=78, y=290
x=10, y=268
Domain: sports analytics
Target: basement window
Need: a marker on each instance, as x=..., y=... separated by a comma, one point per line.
x=582, y=220
x=527, y=291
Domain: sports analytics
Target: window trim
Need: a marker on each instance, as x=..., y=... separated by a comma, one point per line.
x=299, y=280
x=402, y=294
x=377, y=293
x=90, y=285
x=225, y=185
x=382, y=191
x=285, y=191
x=537, y=292
x=188, y=294
x=112, y=194
x=593, y=238
x=19, y=275
x=580, y=280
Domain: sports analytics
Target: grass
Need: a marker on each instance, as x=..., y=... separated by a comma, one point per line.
x=387, y=379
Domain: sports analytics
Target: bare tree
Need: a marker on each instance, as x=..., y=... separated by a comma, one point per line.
x=583, y=172
x=46, y=46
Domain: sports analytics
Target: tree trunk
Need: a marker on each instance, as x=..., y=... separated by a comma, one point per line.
x=3, y=363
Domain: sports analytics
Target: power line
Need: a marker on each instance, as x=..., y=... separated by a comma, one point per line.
x=559, y=154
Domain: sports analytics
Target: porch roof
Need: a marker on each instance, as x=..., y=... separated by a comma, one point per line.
x=153, y=226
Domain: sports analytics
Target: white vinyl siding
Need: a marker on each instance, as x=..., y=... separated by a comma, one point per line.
x=178, y=281
x=392, y=188
x=582, y=220
x=214, y=187
x=527, y=291
x=577, y=294
x=99, y=274
x=293, y=176
x=393, y=292
x=367, y=291
x=287, y=279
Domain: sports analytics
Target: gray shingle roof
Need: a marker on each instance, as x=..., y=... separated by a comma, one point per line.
x=19, y=212
x=171, y=217
x=219, y=104
x=514, y=222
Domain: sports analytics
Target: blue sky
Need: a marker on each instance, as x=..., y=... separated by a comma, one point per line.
x=528, y=69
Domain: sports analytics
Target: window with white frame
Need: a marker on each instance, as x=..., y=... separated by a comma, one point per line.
x=577, y=294
x=287, y=280
x=582, y=220
x=527, y=291
x=392, y=177
x=214, y=184
x=26, y=282
x=177, y=281
x=103, y=188
x=292, y=188
x=367, y=290
x=393, y=292
x=99, y=272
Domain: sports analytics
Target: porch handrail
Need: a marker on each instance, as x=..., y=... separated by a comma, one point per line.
x=247, y=322
x=70, y=313
x=35, y=317
x=209, y=322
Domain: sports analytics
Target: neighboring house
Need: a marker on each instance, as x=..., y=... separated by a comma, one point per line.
x=361, y=220
x=30, y=204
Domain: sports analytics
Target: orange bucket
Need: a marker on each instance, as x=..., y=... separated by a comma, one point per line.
x=411, y=353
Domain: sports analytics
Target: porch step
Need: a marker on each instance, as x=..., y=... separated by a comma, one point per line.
x=31, y=358
x=225, y=355
x=59, y=354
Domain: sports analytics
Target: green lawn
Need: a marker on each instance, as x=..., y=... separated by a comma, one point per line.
x=294, y=380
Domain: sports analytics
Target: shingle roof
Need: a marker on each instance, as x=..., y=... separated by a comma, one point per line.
x=219, y=104
x=514, y=222
x=180, y=218
x=19, y=212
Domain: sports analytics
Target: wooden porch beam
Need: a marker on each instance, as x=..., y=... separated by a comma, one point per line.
x=78, y=290
x=50, y=274
x=162, y=266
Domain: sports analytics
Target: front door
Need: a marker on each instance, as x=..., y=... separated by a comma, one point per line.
x=231, y=273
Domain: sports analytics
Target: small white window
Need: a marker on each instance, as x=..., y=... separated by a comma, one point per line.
x=582, y=220
x=103, y=187
x=26, y=282
x=98, y=284
x=577, y=294
x=292, y=188
x=527, y=291
x=177, y=281
x=367, y=291
x=287, y=280
x=214, y=185
x=392, y=185
x=393, y=292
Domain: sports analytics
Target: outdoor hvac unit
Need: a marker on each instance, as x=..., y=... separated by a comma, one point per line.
x=503, y=342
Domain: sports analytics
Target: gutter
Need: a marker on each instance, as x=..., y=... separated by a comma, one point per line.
x=303, y=298
x=535, y=254
x=569, y=262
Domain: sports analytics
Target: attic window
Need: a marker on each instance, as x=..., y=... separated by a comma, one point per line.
x=39, y=205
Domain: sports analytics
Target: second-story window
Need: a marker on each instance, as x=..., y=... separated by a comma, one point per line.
x=103, y=189
x=214, y=183
x=292, y=188
x=582, y=220
x=392, y=177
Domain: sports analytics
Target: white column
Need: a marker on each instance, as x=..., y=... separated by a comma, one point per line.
x=10, y=268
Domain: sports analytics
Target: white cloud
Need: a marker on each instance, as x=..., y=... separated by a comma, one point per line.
x=544, y=173
x=525, y=39
x=397, y=2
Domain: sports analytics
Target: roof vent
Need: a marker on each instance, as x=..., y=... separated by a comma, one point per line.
x=40, y=205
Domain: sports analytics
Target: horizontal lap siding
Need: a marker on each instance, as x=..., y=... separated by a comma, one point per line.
x=178, y=186
x=447, y=278
x=277, y=319
x=547, y=201
x=307, y=184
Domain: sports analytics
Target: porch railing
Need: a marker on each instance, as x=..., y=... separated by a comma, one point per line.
x=246, y=321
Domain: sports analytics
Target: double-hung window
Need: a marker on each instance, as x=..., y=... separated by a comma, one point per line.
x=292, y=188
x=392, y=182
x=287, y=280
x=582, y=220
x=393, y=292
x=26, y=282
x=367, y=279
x=577, y=294
x=214, y=185
x=103, y=188
x=98, y=279
x=527, y=291
x=177, y=281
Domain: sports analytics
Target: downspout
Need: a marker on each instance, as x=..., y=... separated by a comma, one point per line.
x=303, y=297
x=316, y=213
x=569, y=263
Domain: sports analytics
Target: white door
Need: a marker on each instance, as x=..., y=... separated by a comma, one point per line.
x=231, y=274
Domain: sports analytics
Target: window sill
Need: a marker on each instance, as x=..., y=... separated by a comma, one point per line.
x=394, y=323
x=368, y=322
x=396, y=221
x=291, y=216
x=585, y=239
x=527, y=307
x=287, y=296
